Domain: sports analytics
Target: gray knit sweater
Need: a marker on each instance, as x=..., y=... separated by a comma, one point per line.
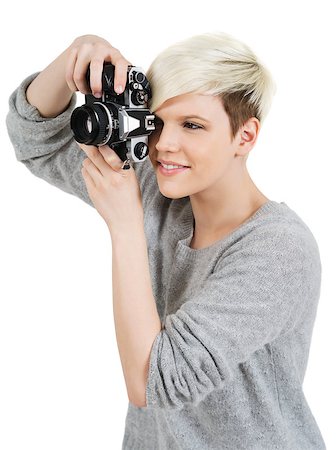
x=227, y=369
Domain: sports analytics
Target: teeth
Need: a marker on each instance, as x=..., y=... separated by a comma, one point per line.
x=166, y=166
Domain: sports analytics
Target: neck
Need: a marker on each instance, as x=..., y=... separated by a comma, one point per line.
x=226, y=205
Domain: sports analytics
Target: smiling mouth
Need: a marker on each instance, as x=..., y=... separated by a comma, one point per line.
x=173, y=171
x=179, y=165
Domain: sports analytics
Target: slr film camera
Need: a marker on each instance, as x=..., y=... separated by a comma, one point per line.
x=121, y=121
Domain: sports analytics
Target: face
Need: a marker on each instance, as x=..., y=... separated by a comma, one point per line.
x=201, y=143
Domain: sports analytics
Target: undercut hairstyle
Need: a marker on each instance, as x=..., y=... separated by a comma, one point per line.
x=214, y=64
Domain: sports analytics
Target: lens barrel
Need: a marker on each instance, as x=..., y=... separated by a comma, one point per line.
x=91, y=124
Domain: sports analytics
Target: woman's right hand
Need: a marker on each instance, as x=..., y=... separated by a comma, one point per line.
x=91, y=50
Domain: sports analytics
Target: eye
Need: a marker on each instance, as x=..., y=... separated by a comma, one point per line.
x=191, y=126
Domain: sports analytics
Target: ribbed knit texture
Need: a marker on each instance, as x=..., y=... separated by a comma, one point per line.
x=227, y=369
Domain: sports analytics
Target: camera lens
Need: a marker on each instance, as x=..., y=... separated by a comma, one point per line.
x=84, y=124
x=92, y=124
x=89, y=125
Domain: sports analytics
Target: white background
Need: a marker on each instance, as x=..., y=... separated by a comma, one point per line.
x=61, y=382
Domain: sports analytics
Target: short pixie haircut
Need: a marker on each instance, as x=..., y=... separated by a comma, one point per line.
x=214, y=64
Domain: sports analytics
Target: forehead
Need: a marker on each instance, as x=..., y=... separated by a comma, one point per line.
x=191, y=103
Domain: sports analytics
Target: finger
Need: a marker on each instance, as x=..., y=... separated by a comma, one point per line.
x=98, y=160
x=88, y=179
x=92, y=169
x=69, y=70
x=96, y=70
x=110, y=156
x=112, y=159
x=120, y=73
x=96, y=66
x=81, y=66
x=91, y=151
x=87, y=149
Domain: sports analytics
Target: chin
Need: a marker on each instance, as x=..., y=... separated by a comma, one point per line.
x=173, y=195
x=170, y=189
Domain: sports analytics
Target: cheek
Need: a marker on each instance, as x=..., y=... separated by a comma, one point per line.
x=212, y=160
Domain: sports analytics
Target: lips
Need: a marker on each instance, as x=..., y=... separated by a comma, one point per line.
x=171, y=163
x=171, y=172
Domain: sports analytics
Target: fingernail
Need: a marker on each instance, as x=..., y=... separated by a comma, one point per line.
x=119, y=89
x=97, y=94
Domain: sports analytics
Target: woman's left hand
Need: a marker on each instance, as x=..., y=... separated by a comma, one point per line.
x=114, y=192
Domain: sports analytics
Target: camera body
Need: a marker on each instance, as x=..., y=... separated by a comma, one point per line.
x=121, y=121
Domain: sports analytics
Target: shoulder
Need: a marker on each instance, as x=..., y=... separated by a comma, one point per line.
x=291, y=232
x=277, y=237
x=281, y=226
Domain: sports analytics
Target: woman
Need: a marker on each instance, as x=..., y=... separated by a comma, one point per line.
x=215, y=286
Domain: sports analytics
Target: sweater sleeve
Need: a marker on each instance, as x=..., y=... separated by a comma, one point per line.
x=255, y=294
x=47, y=148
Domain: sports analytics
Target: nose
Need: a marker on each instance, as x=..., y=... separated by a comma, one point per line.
x=166, y=141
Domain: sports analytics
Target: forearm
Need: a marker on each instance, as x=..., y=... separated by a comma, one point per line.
x=136, y=320
x=49, y=91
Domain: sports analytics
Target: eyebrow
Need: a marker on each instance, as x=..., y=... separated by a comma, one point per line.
x=189, y=116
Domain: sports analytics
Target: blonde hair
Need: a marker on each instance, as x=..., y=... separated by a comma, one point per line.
x=214, y=64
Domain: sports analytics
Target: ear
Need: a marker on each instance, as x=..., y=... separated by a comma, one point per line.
x=248, y=135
